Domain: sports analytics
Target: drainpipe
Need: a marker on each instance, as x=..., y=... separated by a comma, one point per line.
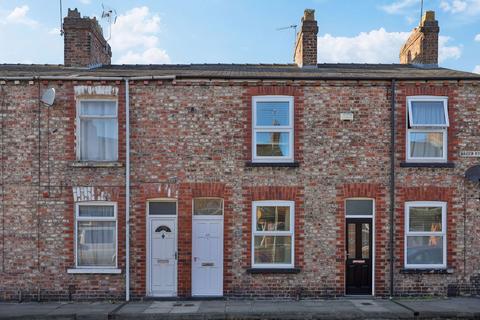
x=392, y=186
x=127, y=191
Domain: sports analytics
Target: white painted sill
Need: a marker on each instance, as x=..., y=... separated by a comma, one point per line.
x=95, y=270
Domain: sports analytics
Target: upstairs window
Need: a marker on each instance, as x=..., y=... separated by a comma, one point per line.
x=427, y=129
x=425, y=235
x=97, y=135
x=272, y=129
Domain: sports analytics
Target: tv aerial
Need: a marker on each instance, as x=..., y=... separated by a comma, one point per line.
x=292, y=27
x=109, y=15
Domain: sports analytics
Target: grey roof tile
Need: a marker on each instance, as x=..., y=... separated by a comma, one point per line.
x=244, y=71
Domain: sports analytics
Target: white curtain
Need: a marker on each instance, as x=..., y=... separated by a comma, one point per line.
x=428, y=112
x=99, y=136
x=96, y=244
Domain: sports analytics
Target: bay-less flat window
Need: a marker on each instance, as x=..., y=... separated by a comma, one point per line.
x=96, y=235
x=425, y=234
x=273, y=234
x=272, y=129
x=97, y=132
x=427, y=129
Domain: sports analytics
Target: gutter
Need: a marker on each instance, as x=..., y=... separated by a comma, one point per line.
x=392, y=185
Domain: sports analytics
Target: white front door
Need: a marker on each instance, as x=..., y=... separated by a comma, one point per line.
x=163, y=257
x=207, y=256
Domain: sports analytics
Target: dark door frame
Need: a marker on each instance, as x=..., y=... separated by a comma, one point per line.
x=371, y=260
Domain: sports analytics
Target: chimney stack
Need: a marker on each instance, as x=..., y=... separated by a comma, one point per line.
x=305, y=54
x=84, y=44
x=422, y=45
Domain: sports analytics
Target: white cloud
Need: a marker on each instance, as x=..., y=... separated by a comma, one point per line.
x=150, y=56
x=135, y=37
x=446, y=52
x=55, y=31
x=477, y=69
x=19, y=15
x=399, y=6
x=477, y=37
x=467, y=7
x=375, y=46
x=453, y=6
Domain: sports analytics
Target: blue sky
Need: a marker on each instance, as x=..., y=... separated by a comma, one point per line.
x=243, y=31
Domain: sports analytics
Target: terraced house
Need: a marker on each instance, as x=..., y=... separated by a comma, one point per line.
x=262, y=180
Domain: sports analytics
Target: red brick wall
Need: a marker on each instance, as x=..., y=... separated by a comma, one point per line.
x=187, y=135
x=37, y=237
x=84, y=44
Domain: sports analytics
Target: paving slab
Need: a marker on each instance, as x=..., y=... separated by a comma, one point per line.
x=451, y=307
x=465, y=308
x=93, y=310
x=26, y=310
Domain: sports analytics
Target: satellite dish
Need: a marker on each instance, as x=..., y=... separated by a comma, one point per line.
x=48, y=96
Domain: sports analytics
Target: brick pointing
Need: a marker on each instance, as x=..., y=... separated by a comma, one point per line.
x=188, y=138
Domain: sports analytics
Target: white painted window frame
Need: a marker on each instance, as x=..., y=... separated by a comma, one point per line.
x=95, y=269
x=291, y=233
x=442, y=233
x=287, y=129
x=79, y=118
x=412, y=128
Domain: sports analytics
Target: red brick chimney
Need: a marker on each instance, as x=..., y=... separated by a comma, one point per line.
x=422, y=45
x=306, y=44
x=84, y=44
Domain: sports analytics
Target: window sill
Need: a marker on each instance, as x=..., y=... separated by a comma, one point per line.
x=427, y=165
x=96, y=164
x=94, y=270
x=426, y=271
x=251, y=164
x=273, y=270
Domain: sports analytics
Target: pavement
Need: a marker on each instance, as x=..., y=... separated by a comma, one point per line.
x=344, y=308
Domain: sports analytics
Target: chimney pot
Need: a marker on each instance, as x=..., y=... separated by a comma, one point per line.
x=305, y=53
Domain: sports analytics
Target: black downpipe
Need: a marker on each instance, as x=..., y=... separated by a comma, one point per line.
x=392, y=185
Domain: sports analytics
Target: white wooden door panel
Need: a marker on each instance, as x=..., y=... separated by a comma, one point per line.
x=207, y=253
